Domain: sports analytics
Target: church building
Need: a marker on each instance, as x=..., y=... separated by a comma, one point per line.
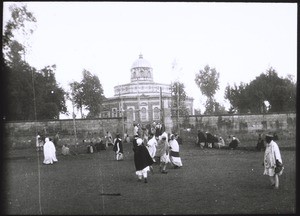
x=142, y=100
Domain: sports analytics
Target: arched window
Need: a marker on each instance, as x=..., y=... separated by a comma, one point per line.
x=130, y=114
x=156, y=113
x=143, y=114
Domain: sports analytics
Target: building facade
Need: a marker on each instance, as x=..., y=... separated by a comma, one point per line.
x=142, y=100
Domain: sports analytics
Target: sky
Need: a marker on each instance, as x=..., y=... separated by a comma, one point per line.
x=239, y=40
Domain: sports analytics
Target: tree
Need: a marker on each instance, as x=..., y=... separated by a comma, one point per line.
x=29, y=94
x=238, y=98
x=50, y=96
x=268, y=88
x=88, y=94
x=92, y=93
x=178, y=99
x=208, y=82
x=77, y=95
x=20, y=20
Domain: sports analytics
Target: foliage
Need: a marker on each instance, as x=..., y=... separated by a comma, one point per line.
x=77, y=95
x=88, y=94
x=208, y=82
x=29, y=94
x=280, y=93
x=178, y=99
x=50, y=97
x=20, y=19
x=44, y=101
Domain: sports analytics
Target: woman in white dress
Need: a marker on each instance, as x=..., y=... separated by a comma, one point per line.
x=49, y=152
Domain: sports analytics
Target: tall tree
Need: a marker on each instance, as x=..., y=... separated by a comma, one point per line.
x=178, y=99
x=88, y=94
x=208, y=82
x=77, y=96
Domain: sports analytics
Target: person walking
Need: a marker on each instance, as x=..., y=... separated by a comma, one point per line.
x=118, y=148
x=108, y=138
x=162, y=152
x=39, y=142
x=174, y=153
x=272, y=161
x=49, y=152
x=142, y=160
x=151, y=146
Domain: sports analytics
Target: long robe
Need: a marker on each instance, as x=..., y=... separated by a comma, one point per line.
x=272, y=153
x=162, y=149
x=49, y=152
x=142, y=158
x=151, y=146
x=174, y=153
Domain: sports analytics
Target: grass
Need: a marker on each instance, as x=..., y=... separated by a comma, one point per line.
x=211, y=181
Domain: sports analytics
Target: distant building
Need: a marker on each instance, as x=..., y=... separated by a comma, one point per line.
x=142, y=100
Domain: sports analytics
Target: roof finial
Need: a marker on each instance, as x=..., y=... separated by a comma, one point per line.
x=141, y=56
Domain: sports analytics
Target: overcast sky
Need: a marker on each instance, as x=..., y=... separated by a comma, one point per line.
x=239, y=40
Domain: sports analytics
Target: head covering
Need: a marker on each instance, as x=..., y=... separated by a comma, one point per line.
x=47, y=139
x=172, y=136
x=139, y=141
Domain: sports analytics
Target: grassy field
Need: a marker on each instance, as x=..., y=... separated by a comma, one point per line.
x=211, y=181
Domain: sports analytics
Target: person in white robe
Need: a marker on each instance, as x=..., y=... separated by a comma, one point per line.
x=49, y=152
x=151, y=146
x=174, y=153
x=272, y=154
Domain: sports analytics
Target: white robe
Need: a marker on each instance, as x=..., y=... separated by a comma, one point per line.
x=49, y=152
x=151, y=146
x=272, y=153
x=176, y=160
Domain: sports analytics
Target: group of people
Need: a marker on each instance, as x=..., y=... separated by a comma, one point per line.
x=207, y=140
x=154, y=147
x=162, y=149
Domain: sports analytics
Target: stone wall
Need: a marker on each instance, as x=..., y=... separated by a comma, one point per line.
x=246, y=123
x=246, y=127
x=22, y=134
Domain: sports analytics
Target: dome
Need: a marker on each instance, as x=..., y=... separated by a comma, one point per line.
x=141, y=63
